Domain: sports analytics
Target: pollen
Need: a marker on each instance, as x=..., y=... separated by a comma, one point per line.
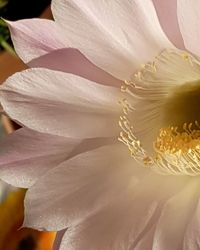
x=168, y=93
x=172, y=141
x=178, y=152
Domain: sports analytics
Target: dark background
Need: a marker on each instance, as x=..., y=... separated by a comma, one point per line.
x=19, y=9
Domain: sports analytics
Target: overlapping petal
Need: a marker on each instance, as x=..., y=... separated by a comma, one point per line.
x=129, y=207
x=39, y=48
x=175, y=217
x=188, y=17
x=26, y=155
x=130, y=223
x=134, y=220
x=72, y=61
x=112, y=34
x=36, y=37
x=102, y=197
x=61, y=104
x=167, y=14
x=191, y=237
x=79, y=187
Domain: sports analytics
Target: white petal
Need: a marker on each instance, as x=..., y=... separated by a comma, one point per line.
x=79, y=187
x=188, y=17
x=192, y=234
x=124, y=223
x=167, y=14
x=146, y=240
x=175, y=216
x=61, y=104
x=25, y=155
x=109, y=203
x=115, y=35
x=72, y=61
x=33, y=38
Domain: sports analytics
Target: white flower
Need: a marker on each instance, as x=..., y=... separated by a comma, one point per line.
x=71, y=153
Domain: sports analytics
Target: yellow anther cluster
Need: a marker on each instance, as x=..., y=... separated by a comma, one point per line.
x=176, y=150
x=172, y=141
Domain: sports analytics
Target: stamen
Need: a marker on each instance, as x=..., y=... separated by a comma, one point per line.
x=172, y=141
x=179, y=151
x=176, y=149
x=134, y=145
x=176, y=152
x=127, y=107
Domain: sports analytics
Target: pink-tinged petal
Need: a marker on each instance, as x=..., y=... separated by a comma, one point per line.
x=25, y=155
x=81, y=185
x=39, y=48
x=72, y=61
x=129, y=220
x=62, y=104
x=146, y=240
x=106, y=202
x=113, y=227
x=175, y=216
x=188, y=17
x=167, y=14
x=33, y=38
x=117, y=36
x=192, y=233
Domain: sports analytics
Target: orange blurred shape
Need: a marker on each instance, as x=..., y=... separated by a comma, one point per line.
x=11, y=209
x=11, y=219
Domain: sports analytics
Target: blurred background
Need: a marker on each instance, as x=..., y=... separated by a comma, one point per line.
x=12, y=235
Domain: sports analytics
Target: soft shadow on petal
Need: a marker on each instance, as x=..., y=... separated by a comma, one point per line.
x=188, y=17
x=33, y=38
x=117, y=36
x=107, y=200
x=26, y=155
x=175, y=217
x=167, y=14
x=79, y=187
x=146, y=240
x=72, y=61
x=62, y=104
x=106, y=203
x=129, y=221
x=192, y=233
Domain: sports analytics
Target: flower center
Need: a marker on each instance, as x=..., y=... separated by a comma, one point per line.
x=181, y=114
x=182, y=106
x=173, y=106
x=172, y=141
